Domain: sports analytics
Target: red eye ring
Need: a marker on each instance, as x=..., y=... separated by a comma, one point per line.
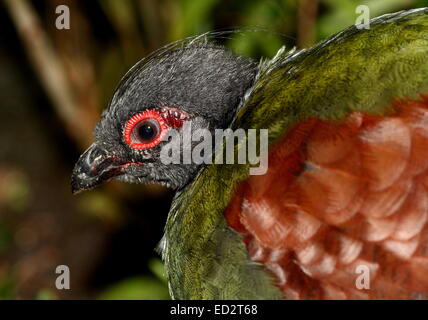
x=138, y=118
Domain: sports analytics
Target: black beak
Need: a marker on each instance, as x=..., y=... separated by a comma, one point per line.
x=94, y=167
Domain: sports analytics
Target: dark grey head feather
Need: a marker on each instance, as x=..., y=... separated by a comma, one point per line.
x=202, y=79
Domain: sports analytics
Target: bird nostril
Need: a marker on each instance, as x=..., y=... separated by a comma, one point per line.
x=97, y=160
x=93, y=159
x=95, y=155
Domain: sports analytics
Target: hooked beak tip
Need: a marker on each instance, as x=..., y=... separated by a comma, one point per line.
x=94, y=167
x=78, y=185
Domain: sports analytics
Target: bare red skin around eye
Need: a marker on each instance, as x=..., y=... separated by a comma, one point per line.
x=174, y=117
x=167, y=118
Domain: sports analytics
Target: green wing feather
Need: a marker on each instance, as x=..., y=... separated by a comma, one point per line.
x=355, y=70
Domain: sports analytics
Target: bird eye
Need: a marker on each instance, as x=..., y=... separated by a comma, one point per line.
x=145, y=130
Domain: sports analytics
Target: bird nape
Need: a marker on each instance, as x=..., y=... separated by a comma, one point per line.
x=341, y=212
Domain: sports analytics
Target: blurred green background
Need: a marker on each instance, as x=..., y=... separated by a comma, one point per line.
x=53, y=86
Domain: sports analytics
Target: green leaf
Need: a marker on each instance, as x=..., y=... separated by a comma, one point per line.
x=46, y=294
x=137, y=288
x=157, y=268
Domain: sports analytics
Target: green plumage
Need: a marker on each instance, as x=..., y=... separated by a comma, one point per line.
x=355, y=70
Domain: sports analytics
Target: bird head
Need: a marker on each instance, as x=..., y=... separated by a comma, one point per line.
x=195, y=82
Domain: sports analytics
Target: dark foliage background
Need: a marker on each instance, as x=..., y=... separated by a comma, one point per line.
x=53, y=86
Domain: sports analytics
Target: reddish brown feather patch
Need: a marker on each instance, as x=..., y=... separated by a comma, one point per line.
x=340, y=195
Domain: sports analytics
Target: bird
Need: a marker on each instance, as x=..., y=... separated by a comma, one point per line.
x=341, y=211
